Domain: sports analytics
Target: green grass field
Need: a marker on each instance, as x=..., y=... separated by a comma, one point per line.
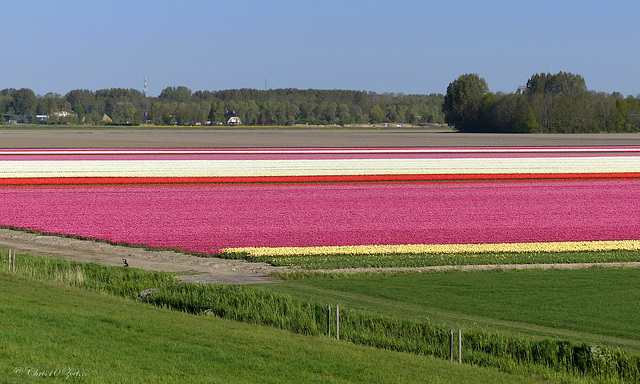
x=536, y=323
x=61, y=334
x=592, y=305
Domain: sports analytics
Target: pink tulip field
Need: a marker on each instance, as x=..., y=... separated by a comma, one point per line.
x=236, y=200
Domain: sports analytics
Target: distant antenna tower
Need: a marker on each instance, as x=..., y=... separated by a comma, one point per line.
x=265, y=84
x=144, y=90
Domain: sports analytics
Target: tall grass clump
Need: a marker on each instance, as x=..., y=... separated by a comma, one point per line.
x=421, y=337
x=117, y=281
x=502, y=351
x=241, y=304
x=507, y=353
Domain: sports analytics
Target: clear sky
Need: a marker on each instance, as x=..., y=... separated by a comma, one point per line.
x=408, y=46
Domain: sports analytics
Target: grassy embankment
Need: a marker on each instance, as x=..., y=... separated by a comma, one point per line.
x=60, y=334
x=546, y=358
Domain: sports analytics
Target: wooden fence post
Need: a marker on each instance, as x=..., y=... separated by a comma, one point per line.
x=337, y=322
x=12, y=261
x=460, y=346
x=329, y=320
x=451, y=344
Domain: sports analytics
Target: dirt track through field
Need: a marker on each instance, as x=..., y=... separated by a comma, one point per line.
x=193, y=268
x=235, y=271
x=248, y=138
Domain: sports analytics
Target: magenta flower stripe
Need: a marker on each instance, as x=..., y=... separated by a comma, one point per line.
x=207, y=219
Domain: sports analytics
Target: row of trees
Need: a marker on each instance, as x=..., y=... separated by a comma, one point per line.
x=181, y=106
x=550, y=103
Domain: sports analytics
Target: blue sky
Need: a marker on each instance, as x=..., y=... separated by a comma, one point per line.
x=383, y=46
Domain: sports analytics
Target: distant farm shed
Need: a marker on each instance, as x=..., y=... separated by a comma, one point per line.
x=230, y=118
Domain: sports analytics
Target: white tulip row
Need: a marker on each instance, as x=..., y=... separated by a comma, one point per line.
x=307, y=167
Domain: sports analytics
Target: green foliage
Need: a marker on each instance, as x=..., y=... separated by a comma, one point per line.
x=277, y=107
x=24, y=101
x=561, y=83
x=552, y=103
x=81, y=97
x=619, y=121
x=463, y=101
x=178, y=94
x=78, y=110
x=525, y=121
x=376, y=114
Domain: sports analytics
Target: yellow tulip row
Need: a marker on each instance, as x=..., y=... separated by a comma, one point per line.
x=441, y=248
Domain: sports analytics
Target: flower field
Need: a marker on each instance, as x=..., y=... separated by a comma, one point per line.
x=283, y=201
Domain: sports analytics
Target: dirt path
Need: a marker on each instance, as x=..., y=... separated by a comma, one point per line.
x=194, y=268
x=214, y=270
x=227, y=138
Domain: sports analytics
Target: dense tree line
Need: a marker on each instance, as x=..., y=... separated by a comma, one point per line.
x=181, y=106
x=550, y=103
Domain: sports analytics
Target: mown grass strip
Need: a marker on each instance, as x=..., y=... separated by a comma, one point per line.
x=403, y=260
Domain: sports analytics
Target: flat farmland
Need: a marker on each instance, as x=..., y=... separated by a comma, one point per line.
x=370, y=198
x=251, y=138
